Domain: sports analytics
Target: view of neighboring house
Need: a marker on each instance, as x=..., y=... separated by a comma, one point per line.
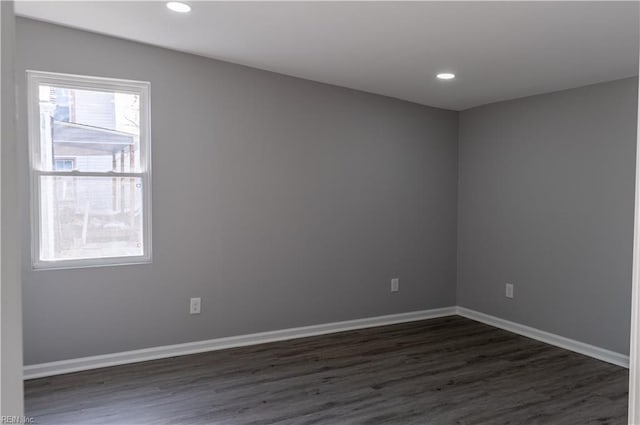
x=95, y=132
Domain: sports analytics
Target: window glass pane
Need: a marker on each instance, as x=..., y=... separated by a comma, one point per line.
x=98, y=130
x=90, y=217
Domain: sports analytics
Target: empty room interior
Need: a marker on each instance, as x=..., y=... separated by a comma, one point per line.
x=329, y=213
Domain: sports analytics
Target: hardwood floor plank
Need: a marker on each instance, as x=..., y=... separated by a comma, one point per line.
x=441, y=371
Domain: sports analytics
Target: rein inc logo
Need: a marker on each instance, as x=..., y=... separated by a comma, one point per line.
x=17, y=420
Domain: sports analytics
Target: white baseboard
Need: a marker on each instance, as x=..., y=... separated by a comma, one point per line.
x=114, y=359
x=95, y=362
x=547, y=337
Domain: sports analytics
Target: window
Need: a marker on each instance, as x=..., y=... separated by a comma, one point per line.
x=90, y=161
x=63, y=164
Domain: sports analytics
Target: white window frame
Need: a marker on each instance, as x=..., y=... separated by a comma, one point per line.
x=141, y=88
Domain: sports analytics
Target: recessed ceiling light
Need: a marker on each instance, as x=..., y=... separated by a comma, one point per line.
x=446, y=76
x=179, y=7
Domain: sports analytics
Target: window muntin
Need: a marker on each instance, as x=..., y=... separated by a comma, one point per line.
x=90, y=170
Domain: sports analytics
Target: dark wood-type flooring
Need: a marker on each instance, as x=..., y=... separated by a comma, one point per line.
x=441, y=371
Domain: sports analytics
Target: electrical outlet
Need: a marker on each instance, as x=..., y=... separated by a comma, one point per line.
x=395, y=284
x=508, y=290
x=194, y=306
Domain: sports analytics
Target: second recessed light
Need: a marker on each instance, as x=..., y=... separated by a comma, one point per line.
x=179, y=7
x=446, y=76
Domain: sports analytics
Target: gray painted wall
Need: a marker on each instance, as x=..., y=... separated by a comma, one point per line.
x=284, y=202
x=281, y=202
x=11, y=390
x=546, y=195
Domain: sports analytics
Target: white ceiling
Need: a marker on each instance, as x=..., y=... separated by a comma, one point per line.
x=499, y=50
